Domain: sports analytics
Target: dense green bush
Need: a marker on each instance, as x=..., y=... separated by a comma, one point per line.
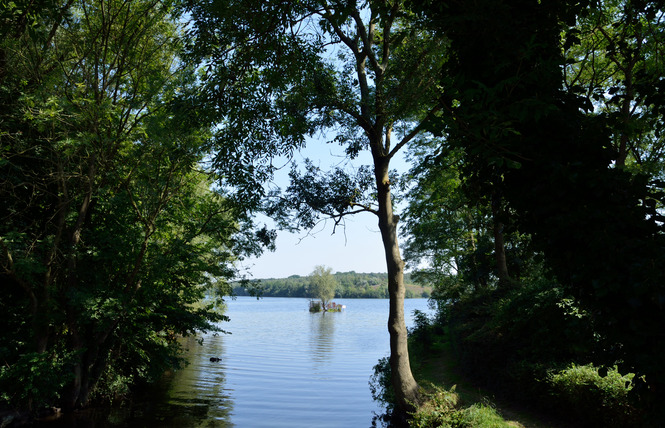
x=509, y=338
x=602, y=401
x=523, y=342
x=438, y=411
x=442, y=409
x=42, y=378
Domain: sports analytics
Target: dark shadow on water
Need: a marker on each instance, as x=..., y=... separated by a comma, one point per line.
x=193, y=397
x=388, y=420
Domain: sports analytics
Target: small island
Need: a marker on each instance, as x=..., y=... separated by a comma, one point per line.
x=315, y=306
x=322, y=287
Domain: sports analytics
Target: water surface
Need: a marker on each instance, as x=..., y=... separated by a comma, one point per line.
x=282, y=366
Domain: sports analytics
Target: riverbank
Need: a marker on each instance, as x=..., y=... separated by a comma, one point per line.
x=350, y=285
x=281, y=366
x=436, y=369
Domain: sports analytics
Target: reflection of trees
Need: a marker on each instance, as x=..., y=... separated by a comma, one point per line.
x=191, y=397
x=197, y=391
x=322, y=332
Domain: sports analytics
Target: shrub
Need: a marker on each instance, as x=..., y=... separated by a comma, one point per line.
x=438, y=411
x=597, y=400
x=315, y=306
x=481, y=416
x=35, y=379
x=441, y=410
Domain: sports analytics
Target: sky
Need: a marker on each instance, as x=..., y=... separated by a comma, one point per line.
x=355, y=247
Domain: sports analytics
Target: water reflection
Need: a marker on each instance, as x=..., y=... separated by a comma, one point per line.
x=193, y=397
x=281, y=368
x=198, y=391
x=322, y=337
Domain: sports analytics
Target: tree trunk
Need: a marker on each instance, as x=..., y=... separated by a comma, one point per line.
x=404, y=385
x=499, y=244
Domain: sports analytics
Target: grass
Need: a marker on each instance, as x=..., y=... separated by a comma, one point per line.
x=437, y=369
x=442, y=409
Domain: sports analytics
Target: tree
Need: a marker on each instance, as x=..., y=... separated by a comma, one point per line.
x=451, y=231
x=598, y=224
x=322, y=285
x=615, y=59
x=105, y=197
x=280, y=71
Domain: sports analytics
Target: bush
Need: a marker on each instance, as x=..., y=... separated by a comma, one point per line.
x=597, y=400
x=481, y=416
x=422, y=329
x=35, y=379
x=438, y=411
x=441, y=410
x=315, y=306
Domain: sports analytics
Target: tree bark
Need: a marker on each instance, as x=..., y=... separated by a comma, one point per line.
x=405, y=387
x=499, y=244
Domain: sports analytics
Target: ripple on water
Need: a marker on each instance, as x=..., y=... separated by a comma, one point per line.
x=281, y=367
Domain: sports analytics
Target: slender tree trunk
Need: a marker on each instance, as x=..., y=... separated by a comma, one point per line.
x=77, y=337
x=499, y=244
x=404, y=385
x=626, y=115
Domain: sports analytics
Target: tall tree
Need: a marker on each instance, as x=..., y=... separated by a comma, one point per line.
x=598, y=225
x=452, y=240
x=615, y=58
x=360, y=70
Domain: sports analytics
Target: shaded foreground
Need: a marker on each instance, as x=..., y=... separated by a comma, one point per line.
x=282, y=366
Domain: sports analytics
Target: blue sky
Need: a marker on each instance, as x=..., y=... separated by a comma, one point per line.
x=355, y=247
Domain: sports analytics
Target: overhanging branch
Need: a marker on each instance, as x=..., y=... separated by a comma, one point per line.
x=415, y=131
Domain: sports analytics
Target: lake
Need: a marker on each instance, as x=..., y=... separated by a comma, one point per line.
x=282, y=366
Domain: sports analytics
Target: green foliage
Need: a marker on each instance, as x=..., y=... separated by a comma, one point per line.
x=518, y=344
x=315, y=307
x=482, y=416
x=614, y=58
x=350, y=285
x=575, y=168
x=594, y=399
x=322, y=285
x=452, y=232
x=509, y=340
x=424, y=332
x=35, y=379
x=283, y=71
x=442, y=410
x=113, y=241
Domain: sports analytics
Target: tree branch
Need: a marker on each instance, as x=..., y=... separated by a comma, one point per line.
x=415, y=131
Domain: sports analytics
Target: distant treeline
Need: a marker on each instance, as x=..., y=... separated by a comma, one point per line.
x=349, y=285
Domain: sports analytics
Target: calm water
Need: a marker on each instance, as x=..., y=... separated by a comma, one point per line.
x=281, y=367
